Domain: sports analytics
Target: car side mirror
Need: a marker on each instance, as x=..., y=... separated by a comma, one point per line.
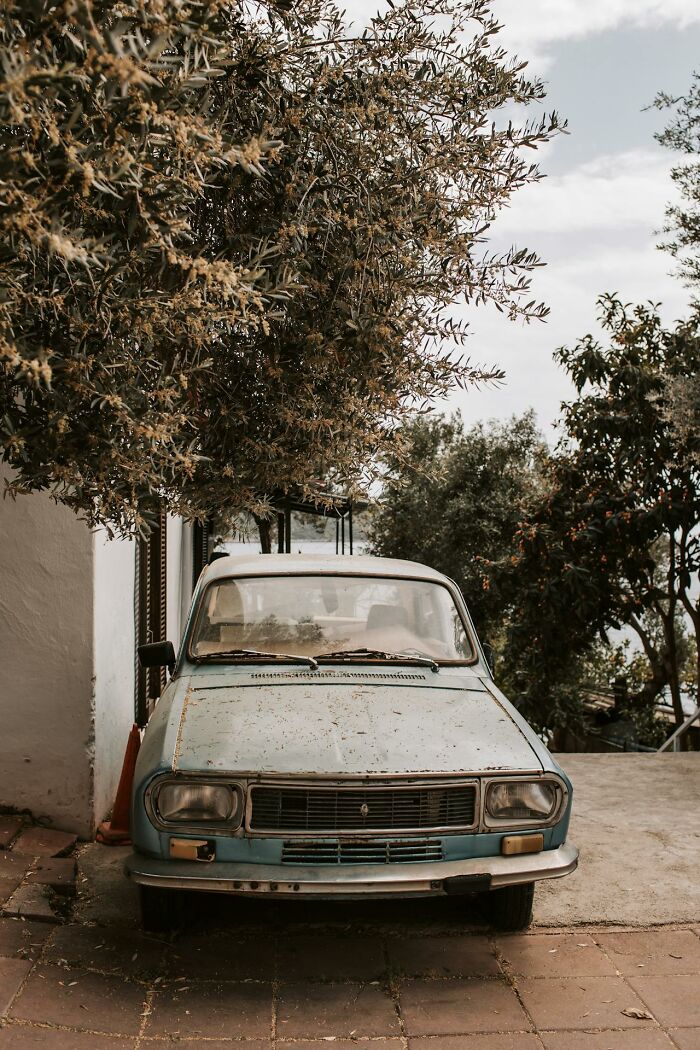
x=157, y=654
x=490, y=655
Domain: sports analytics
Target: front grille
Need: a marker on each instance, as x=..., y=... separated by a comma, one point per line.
x=391, y=852
x=377, y=808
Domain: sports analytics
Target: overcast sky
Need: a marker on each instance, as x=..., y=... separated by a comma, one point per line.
x=594, y=219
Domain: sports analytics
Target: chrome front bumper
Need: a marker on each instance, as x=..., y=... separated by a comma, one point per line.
x=356, y=880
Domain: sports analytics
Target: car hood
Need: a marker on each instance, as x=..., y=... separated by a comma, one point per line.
x=339, y=724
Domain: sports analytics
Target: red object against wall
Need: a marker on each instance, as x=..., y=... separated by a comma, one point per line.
x=116, y=832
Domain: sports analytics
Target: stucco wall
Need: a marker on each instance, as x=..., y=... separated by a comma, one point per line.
x=114, y=644
x=113, y=660
x=46, y=601
x=67, y=650
x=179, y=578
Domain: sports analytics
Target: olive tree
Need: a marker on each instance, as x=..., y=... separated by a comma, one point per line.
x=232, y=236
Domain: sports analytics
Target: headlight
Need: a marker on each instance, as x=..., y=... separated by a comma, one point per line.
x=522, y=800
x=192, y=803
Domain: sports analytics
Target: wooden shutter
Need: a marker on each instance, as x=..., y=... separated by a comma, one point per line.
x=158, y=544
x=152, y=578
x=200, y=548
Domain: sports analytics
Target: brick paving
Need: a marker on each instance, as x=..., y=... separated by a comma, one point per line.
x=392, y=977
x=266, y=985
x=37, y=879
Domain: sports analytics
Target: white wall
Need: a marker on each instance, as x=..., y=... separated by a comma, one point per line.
x=46, y=731
x=67, y=651
x=186, y=586
x=114, y=644
x=179, y=570
x=113, y=662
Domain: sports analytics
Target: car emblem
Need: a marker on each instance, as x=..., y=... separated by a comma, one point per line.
x=364, y=809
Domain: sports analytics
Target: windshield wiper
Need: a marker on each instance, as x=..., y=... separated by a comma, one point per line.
x=288, y=657
x=379, y=654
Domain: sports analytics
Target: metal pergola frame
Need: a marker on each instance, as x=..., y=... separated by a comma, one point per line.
x=325, y=505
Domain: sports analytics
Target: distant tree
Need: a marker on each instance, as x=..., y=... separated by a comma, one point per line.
x=454, y=499
x=616, y=539
x=682, y=135
x=230, y=236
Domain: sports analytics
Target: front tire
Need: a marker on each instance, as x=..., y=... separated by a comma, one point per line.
x=161, y=910
x=510, y=908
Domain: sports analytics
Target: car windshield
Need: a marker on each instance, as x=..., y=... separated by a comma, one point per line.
x=309, y=615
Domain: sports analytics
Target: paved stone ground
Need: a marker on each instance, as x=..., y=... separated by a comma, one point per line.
x=400, y=985
x=37, y=879
x=261, y=975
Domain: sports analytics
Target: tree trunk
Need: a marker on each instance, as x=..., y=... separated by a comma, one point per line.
x=265, y=531
x=669, y=625
x=691, y=607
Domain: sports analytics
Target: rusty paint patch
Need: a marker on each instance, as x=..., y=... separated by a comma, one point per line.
x=178, y=741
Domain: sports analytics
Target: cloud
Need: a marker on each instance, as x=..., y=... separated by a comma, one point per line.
x=535, y=23
x=575, y=275
x=529, y=25
x=532, y=29
x=612, y=192
x=594, y=227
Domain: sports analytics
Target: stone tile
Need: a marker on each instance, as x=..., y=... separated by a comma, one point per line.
x=674, y=1000
x=556, y=955
x=338, y=1044
x=514, y=1041
x=459, y=1007
x=22, y=939
x=210, y=1044
x=8, y=887
x=76, y=999
x=332, y=957
x=212, y=1011
x=581, y=1002
x=686, y=1038
x=644, y=1039
x=12, y=871
x=13, y=865
x=31, y=902
x=130, y=953
x=10, y=824
x=314, y=1011
x=24, y=1037
x=12, y=973
x=222, y=958
x=44, y=842
x=640, y=953
x=459, y=956
x=57, y=872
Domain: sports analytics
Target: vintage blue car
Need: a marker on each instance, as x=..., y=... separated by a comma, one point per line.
x=331, y=729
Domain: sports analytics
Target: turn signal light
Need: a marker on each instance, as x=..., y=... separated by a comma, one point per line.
x=512, y=844
x=192, y=849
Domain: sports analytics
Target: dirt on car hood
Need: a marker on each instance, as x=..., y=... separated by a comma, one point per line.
x=289, y=723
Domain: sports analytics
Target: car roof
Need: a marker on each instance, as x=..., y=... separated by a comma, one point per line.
x=255, y=564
